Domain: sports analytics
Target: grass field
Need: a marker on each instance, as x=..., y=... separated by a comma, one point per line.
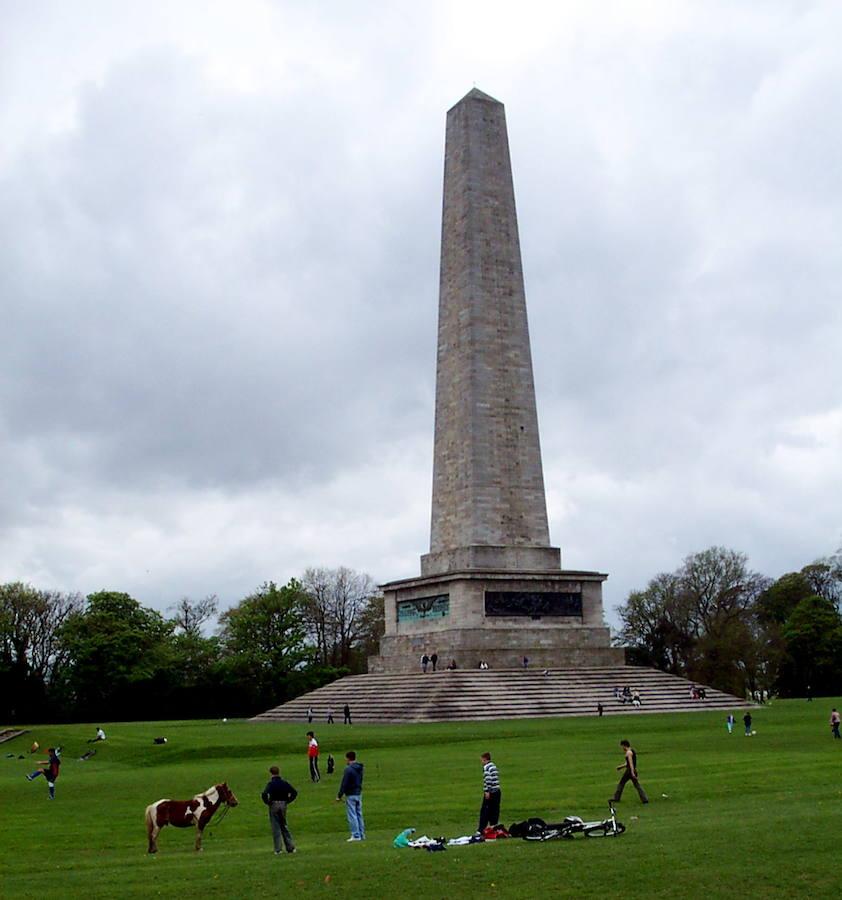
x=730, y=815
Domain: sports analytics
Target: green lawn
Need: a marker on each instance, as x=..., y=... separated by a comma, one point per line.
x=729, y=816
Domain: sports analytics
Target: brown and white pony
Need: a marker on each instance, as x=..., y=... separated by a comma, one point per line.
x=184, y=813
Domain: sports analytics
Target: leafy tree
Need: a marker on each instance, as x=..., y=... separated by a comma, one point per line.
x=657, y=625
x=698, y=621
x=335, y=606
x=813, y=635
x=31, y=655
x=189, y=617
x=263, y=644
x=779, y=599
x=120, y=657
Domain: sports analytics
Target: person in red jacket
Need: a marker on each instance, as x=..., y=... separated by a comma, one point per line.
x=313, y=757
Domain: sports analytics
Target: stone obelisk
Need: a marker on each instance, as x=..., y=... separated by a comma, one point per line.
x=491, y=587
x=489, y=508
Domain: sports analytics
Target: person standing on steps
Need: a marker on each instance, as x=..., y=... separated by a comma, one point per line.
x=489, y=813
x=330, y=715
x=425, y=661
x=434, y=658
x=599, y=710
x=277, y=795
x=630, y=774
x=313, y=757
x=346, y=711
x=351, y=789
x=309, y=715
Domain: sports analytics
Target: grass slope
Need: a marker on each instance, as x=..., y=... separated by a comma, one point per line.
x=743, y=816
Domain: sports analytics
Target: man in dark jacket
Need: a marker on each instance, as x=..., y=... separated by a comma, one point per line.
x=277, y=795
x=352, y=789
x=50, y=772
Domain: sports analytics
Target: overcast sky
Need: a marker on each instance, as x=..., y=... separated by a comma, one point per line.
x=219, y=241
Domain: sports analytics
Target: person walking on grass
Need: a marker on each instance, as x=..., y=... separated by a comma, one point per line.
x=489, y=812
x=747, y=723
x=277, y=795
x=313, y=757
x=730, y=722
x=630, y=774
x=834, y=722
x=50, y=771
x=351, y=789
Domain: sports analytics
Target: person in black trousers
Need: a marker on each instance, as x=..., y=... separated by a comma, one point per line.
x=630, y=774
x=346, y=711
x=277, y=795
x=489, y=813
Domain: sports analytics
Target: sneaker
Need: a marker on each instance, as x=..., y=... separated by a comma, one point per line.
x=351, y=839
x=28, y=777
x=294, y=850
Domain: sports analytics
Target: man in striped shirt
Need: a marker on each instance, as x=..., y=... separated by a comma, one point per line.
x=489, y=813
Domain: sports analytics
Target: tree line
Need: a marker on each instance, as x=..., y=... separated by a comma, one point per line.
x=716, y=621
x=64, y=657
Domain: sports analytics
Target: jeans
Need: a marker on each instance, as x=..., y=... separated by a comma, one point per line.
x=278, y=821
x=354, y=812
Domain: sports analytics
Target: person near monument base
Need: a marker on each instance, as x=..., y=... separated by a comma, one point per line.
x=277, y=795
x=330, y=715
x=629, y=764
x=309, y=715
x=834, y=722
x=434, y=658
x=489, y=813
x=600, y=709
x=425, y=661
x=351, y=789
x=346, y=711
x=313, y=757
x=50, y=770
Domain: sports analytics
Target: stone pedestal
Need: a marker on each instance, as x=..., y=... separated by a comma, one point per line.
x=552, y=617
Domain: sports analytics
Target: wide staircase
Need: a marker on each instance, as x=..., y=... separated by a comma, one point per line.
x=461, y=695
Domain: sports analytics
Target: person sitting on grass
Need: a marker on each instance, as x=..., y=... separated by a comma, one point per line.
x=100, y=736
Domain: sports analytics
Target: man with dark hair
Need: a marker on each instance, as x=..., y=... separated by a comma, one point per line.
x=352, y=789
x=51, y=770
x=277, y=795
x=346, y=711
x=630, y=774
x=489, y=813
x=434, y=659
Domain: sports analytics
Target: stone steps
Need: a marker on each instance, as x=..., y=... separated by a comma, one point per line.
x=473, y=695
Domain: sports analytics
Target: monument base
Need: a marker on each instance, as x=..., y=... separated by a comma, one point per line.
x=497, y=616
